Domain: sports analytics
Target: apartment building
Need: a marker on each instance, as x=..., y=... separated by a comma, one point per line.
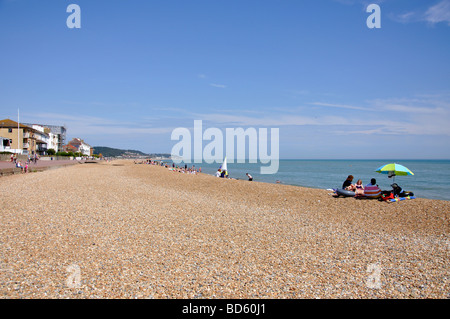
x=22, y=138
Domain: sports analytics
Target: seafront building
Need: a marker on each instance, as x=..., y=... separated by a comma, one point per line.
x=30, y=139
x=56, y=135
x=78, y=145
x=18, y=138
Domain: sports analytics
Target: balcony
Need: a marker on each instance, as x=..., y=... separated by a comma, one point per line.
x=41, y=139
x=26, y=145
x=26, y=135
x=41, y=147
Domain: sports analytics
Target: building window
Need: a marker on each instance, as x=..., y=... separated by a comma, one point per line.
x=10, y=130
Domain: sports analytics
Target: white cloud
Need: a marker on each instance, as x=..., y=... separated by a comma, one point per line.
x=440, y=12
x=341, y=106
x=405, y=17
x=437, y=13
x=425, y=115
x=397, y=116
x=80, y=125
x=221, y=86
x=418, y=116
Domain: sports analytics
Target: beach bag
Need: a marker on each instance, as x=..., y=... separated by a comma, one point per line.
x=406, y=194
x=387, y=196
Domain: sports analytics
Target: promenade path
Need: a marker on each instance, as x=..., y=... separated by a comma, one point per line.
x=8, y=167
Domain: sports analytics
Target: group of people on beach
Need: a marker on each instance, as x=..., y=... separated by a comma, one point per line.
x=173, y=167
x=23, y=166
x=33, y=158
x=371, y=190
x=185, y=169
x=222, y=173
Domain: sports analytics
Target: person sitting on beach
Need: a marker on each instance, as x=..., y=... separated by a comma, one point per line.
x=397, y=190
x=359, y=188
x=372, y=190
x=218, y=173
x=250, y=177
x=347, y=185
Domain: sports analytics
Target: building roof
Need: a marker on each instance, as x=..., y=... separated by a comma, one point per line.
x=13, y=124
x=78, y=141
x=70, y=147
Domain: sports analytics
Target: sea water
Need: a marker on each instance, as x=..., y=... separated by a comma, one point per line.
x=431, y=178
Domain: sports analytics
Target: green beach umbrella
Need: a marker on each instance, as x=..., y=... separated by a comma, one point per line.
x=394, y=169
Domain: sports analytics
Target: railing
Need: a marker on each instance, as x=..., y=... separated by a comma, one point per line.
x=26, y=145
x=41, y=139
x=26, y=135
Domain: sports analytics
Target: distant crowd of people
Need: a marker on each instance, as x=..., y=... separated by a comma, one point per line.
x=189, y=170
x=173, y=167
x=185, y=169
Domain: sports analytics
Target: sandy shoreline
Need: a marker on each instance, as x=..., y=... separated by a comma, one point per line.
x=142, y=231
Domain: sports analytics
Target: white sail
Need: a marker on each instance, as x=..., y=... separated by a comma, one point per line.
x=223, y=167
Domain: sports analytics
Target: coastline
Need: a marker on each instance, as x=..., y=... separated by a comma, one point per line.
x=142, y=231
x=329, y=174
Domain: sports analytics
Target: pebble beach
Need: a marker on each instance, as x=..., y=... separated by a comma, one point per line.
x=124, y=230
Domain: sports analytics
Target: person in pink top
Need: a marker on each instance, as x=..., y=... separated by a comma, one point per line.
x=372, y=190
x=359, y=188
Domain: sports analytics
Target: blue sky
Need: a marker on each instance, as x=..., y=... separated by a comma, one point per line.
x=136, y=70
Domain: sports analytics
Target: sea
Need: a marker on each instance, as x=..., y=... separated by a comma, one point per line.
x=431, y=178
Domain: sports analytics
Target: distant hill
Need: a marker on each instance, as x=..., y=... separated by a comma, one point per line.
x=115, y=152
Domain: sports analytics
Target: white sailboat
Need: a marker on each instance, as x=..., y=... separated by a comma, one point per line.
x=223, y=167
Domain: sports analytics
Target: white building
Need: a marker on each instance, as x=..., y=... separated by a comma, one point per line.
x=5, y=145
x=81, y=146
x=42, y=138
x=56, y=135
